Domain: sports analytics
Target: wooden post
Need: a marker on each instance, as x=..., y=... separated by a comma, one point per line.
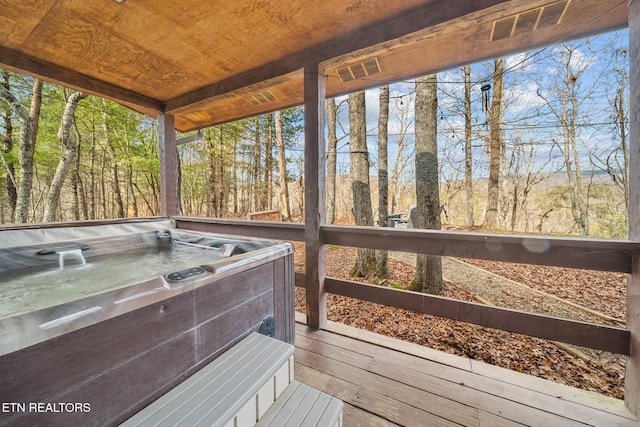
x=168, y=166
x=314, y=209
x=632, y=377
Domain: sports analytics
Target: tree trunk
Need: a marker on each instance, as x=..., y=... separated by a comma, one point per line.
x=134, y=200
x=282, y=169
x=234, y=175
x=468, y=150
x=178, y=182
x=69, y=150
x=92, y=178
x=403, y=157
x=12, y=191
x=131, y=193
x=115, y=182
x=28, y=120
x=75, y=184
x=428, y=276
x=495, y=145
x=257, y=157
x=268, y=164
x=81, y=210
x=620, y=172
x=359, y=156
x=515, y=203
x=566, y=108
x=212, y=181
x=222, y=185
x=578, y=205
x=332, y=157
x=103, y=191
x=383, y=179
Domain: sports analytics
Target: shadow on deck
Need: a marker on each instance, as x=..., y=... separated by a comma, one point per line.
x=386, y=381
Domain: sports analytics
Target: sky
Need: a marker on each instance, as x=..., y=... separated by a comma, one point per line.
x=527, y=115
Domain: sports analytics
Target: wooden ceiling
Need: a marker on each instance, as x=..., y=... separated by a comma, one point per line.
x=210, y=62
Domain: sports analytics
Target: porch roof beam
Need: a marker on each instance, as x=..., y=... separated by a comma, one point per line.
x=430, y=14
x=21, y=63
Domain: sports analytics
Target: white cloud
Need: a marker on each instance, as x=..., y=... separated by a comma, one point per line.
x=578, y=61
x=522, y=97
x=519, y=62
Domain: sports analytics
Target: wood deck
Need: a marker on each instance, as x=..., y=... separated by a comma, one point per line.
x=385, y=381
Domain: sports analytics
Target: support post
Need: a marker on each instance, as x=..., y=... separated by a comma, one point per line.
x=632, y=377
x=168, y=165
x=314, y=179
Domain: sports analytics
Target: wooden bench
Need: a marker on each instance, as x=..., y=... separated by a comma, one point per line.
x=239, y=388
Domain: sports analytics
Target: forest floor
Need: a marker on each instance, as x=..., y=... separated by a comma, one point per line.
x=592, y=296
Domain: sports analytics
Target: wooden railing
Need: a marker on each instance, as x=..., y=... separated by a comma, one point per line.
x=593, y=254
x=84, y=223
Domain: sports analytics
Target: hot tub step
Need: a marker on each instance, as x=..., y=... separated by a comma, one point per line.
x=301, y=405
x=235, y=389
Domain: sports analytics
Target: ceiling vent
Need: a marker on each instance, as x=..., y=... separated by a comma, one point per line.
x=261, y=97
x=530, y=20
x=359, y=70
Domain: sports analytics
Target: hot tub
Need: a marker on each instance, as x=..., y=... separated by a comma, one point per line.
x=109, y=317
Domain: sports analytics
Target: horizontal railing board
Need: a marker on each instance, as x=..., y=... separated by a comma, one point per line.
x=83, y=223
x=599, y=337
x=264, y=229
x=591, y=254
x=571, y=252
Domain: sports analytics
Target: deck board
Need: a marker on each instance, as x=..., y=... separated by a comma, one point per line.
x=385, y=381
x=356, y=417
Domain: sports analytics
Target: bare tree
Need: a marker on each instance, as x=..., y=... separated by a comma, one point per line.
x=268, y=163
x=495, y=146
x=257, y=186
x=404, y=158
x=428, y=275
x=383, y=178
x=234, y=176
x=617, y=162
x=213, y=180
x=28, y=120
x=115, y=179
x=332, y=157
x=12, y=191
x=526, y=169
x=359, y=156
x=563, y=101
x=69, y=144
x=282, y=168
x=468, y=150
x=80, y=208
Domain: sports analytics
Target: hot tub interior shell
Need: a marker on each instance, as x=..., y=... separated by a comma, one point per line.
x=123, y=356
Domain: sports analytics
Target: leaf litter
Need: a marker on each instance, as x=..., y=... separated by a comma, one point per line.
x=544, y=290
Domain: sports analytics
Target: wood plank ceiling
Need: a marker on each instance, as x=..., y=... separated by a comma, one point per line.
x=210, y=62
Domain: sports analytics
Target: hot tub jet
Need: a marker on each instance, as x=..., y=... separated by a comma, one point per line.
x=74, y=253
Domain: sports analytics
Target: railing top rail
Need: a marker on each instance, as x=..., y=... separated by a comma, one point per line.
x=560, y=251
